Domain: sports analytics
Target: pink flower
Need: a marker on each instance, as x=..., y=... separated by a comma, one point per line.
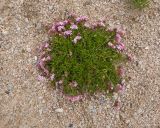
x=94, y=25
x=74, y=98
x=72, y=15
x=120, y=46
x=60, y=28
x=118, y=38
x=40, y=78
x=121, y=32
x=53, y=29
x=87, y=25
x=44, y=46
x=120, y=88
x=48, y=58
x=76, y=39
x=81, y=18
x=68, y=33
x=65, y=22
x=101, y=24
x=98, y=24
x=60, y=23
x=73, y=27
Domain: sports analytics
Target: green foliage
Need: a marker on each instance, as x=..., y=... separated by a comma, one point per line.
x=140, y=3
x=90, y=62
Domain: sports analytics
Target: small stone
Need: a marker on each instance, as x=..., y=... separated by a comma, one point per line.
x=60, y=110
x=26, y=20
x=10, y=87
x=147, y=47
x=38, y=26
x=7, y=92
x=87, y=3
x=23, y=51
x=4, y=32
x=108, y=106
x=28, y=49
x=51, y=7
x=139, y=111
x=92, y=109
x=35, y=58
x=115, y=95
x=18, y=29
x=102, y=100
x=137, y=63
x=70, y=125
x=40, y=97
x=40, y=111
x=43, y=101
x=127, y=121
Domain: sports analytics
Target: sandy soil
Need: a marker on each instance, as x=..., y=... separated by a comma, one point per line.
x=28, y=103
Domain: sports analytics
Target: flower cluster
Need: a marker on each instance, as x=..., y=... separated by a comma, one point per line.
x=78, y=59
x=118, y=44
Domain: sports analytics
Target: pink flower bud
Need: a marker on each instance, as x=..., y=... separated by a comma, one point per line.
x=120, y=46
x=120, y=88
x=73, y=27
x=40, y=78
x=68, y=33
x=76, y=39
x=74, y=98
x=118, y=38
x=121, y=32
x=87, y=25
x=60, y=28
x=81, y=18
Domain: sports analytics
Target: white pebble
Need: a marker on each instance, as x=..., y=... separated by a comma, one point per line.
x=147, y=48
x=35, y=58
x=59, y=110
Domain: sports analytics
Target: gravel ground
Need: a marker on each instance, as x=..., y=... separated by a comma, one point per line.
x=28, y=103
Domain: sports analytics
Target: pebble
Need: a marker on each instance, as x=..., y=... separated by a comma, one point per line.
x=60, y=110
x=92, y=109
x=38, y=26
x=43, y=101
x=147, y=47
x=40, y=111
x=70, y=125
x=40, y=97
x=4, y=32
x=51, y=7
x=28, y=49
x=35, y=58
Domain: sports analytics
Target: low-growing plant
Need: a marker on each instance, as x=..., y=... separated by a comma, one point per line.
x=140, y=3
x=83, y=58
